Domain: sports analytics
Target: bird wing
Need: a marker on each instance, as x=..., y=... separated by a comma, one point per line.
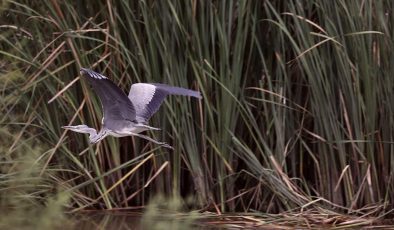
x=116, y=105
x=148, y=97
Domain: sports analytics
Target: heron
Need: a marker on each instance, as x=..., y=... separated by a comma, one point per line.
x=127, y=115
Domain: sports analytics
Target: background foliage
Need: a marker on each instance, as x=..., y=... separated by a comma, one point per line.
x=297, y=108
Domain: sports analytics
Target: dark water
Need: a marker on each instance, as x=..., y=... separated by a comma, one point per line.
x=105, y=220
x=136, y=220
x=171, y=221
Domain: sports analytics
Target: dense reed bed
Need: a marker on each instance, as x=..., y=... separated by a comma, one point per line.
x=297, y=109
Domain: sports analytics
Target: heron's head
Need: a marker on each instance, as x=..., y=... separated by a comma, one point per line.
x=80, y=129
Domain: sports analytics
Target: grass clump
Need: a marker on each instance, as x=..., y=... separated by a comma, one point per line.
x=29, y=198
x=169, y=213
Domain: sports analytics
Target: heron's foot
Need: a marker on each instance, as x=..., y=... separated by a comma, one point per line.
x=167, y=145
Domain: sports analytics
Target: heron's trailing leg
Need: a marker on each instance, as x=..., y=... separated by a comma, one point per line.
x=153, y=140
x=147, y=127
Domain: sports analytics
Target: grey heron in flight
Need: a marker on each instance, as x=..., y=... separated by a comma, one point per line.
x=127, y=115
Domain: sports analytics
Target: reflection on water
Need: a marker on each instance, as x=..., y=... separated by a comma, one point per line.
x=133, y=220
x=166, y=219
x=107, y=220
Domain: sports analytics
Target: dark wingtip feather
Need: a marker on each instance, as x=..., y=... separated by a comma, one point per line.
x=91, y=73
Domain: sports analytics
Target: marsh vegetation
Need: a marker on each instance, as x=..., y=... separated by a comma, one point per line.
x=297, y=115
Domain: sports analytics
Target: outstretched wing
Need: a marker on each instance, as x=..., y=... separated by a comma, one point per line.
x=116, y=105
x=148, y=97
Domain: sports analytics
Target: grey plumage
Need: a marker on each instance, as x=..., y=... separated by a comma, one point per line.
x=127, y=115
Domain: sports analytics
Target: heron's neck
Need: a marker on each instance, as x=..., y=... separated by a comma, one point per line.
x=96, y=137
x=92, y=133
